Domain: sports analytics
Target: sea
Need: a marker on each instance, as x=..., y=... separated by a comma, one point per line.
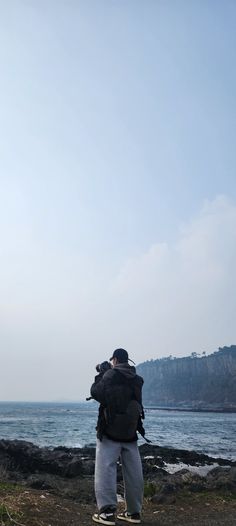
x=73, y=425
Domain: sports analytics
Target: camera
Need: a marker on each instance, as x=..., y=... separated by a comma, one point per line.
x=103, y=367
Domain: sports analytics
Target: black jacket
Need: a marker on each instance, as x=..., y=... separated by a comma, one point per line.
x=119, y=391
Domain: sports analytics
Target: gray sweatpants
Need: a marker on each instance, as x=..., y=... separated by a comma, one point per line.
x=107, y=454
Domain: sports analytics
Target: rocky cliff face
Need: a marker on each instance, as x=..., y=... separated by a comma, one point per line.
x=192, y=382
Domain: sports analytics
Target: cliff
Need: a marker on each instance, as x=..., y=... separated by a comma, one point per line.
x=193, y=382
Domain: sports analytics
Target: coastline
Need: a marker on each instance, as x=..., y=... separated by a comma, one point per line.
x=73, y=425
x=55, y=486
x=192, y=409
x=23, y=461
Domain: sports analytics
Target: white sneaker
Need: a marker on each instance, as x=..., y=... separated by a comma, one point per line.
x=134, y=518
x=105, y=518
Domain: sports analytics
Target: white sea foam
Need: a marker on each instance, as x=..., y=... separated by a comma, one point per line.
x=199, y=470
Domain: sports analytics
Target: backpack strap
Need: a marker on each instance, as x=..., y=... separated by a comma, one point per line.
x=141, y=429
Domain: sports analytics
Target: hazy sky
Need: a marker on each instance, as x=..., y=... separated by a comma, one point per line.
x=117, y=186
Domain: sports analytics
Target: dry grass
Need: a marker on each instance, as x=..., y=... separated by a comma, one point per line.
x=20, y=506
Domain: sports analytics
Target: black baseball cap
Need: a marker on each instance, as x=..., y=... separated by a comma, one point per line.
x=121, y=355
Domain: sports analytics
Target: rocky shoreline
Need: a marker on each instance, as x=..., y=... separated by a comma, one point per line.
x=54, y=487
x=69, y=471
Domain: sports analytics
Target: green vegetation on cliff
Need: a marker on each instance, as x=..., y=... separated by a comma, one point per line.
x=196, y=381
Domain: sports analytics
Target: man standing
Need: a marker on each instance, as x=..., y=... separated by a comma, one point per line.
x=119, y=391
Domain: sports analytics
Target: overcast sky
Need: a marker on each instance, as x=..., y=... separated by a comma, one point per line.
x=117, y=186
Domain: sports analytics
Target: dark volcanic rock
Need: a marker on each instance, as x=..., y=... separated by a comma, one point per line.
x=222, y=478
x=70, y=472
x=175, y=456
x=25, y=457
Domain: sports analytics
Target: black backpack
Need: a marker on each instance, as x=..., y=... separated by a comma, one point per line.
x=123, y=412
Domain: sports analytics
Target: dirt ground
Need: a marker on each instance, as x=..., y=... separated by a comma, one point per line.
x=26, y=507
